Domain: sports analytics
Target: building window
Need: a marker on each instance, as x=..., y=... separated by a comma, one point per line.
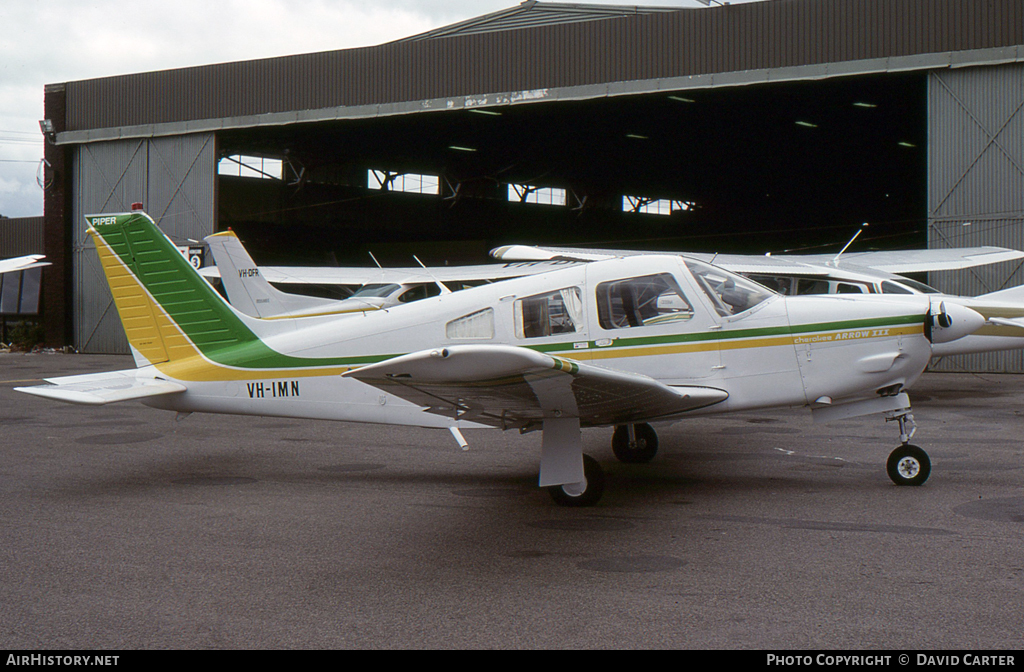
x=654, y=206
x=258, y=167
x=410, y=183
x=19, y=292
x=525, y=193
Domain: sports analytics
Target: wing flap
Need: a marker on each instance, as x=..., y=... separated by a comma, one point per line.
x=97, y=389
x=508, y=386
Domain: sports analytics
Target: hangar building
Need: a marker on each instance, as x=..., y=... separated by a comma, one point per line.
x=763, y=126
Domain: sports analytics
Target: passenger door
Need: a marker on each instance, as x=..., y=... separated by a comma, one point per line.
x=649, y=319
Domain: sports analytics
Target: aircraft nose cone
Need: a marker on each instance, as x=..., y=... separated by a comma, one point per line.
x=951, y=321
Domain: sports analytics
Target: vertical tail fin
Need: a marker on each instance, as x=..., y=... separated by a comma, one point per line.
x=168, y=310
x=247, y=289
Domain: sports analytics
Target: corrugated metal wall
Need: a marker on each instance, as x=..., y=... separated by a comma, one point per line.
x=175, y=179
x=749, y=36
x=20, y=236
x=976, y=184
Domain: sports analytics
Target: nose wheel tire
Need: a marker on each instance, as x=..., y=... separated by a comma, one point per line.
x=908, y=465
x=586, y=493
x=641, y=449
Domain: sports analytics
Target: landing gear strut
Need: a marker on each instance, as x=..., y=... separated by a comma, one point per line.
x=635, y=444
x=908, y=464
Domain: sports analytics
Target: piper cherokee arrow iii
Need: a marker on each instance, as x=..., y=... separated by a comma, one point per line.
x=619, y=343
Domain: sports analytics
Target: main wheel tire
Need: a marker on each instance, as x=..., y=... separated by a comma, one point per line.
x=908, y=465
x=642, y=451
x=593, y=486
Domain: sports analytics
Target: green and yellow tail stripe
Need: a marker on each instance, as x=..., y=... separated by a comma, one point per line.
x=176, y=320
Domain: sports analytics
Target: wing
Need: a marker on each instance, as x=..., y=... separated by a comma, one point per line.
x=22, y=263
x=889, y=261
x=97, y=389
x=916, y=261
x=737, y=263
x=356, y=276
x=512, y=387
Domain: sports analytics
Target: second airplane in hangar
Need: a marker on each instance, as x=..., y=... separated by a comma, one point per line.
x=875, y=272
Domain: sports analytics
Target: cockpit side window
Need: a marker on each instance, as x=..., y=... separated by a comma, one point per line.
x=811, y=286
x=850, y=288
x=730, y=294
x=558, y=312
x=641, y=302
x=419, y=292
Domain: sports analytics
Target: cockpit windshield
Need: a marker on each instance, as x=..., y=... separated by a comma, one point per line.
x=376, y=290
x=731, y=294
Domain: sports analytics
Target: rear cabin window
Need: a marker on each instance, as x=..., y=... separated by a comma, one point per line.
x=558, y=312
x=641, y=302
x=475, y=325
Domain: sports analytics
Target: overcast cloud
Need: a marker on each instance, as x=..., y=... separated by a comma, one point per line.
x=53, y=41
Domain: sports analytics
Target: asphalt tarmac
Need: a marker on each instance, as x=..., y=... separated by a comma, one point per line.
x=124, y=528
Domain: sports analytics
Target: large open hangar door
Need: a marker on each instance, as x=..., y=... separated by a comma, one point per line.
x=172, y=177
x=768, y=167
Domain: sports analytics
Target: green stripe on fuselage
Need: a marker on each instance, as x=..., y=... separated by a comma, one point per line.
x=724, y=335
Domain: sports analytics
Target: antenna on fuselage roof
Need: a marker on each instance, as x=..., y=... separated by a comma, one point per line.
x=835, y=259
x=378, y=265
x=444, y=290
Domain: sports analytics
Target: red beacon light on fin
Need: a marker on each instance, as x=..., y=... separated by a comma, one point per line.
x=136, y=207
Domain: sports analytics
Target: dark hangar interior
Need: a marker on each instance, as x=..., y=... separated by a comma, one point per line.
x=759, y=168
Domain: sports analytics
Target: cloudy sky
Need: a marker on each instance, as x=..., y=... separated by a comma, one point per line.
x=52, y=41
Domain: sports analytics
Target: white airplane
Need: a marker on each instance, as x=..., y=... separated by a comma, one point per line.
x=250, y=291
x=855, y=273
x=22, y=263
x=621, y=342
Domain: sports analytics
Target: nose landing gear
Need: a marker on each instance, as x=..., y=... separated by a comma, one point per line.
x=908, y=464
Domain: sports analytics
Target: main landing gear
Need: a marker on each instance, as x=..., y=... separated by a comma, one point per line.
x=908, y=464
x=632, y=444
x=635, y=444
x=586, y=493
